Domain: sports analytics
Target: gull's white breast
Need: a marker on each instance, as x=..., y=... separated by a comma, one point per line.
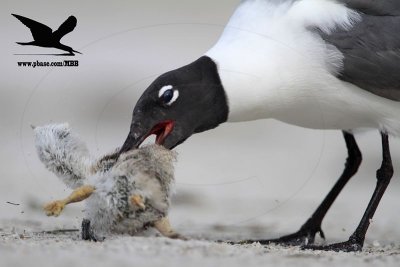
x=273, y=64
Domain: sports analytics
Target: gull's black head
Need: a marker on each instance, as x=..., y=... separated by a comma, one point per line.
x=179, y=103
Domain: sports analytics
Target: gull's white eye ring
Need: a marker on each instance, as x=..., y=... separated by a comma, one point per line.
x=168, y=95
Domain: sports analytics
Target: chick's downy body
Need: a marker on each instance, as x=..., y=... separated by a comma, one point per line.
x=146, y=173
x=127, y=193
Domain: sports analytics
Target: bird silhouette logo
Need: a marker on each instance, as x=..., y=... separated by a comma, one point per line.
x=44, y=36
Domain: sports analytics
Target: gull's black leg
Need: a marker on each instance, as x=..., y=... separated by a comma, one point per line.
x=306, y=234
x=383, y=175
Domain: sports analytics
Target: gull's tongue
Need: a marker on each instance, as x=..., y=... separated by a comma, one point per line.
x=163, y=132
x=159, y=138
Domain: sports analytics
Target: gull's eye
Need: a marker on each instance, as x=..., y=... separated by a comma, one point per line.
x=168, y=95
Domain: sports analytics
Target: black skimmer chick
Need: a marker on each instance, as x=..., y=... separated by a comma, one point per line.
x=45, y=37
x=321, y=64
x=125, y=194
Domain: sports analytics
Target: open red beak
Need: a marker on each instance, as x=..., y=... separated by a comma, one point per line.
x=135, y=137
x=162, y=130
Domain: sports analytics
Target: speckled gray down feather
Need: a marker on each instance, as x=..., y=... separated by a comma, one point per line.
x=147, y=172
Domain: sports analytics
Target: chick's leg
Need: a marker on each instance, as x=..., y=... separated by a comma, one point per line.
x=56, y=207
x=164, y=227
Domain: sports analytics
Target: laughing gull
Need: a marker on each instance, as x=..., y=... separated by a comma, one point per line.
x=320, y=64
x=45, y=37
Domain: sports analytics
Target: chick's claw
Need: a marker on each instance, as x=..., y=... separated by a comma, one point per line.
x=138, y=201
x=54, y=208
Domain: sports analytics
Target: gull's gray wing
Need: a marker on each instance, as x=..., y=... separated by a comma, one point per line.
x=374, y=7
x=371, y=48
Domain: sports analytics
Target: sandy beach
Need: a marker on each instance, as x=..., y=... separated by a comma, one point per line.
x=56, y=242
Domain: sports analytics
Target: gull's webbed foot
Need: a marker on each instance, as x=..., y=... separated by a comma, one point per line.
x=352, y=245
x=305, y=236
